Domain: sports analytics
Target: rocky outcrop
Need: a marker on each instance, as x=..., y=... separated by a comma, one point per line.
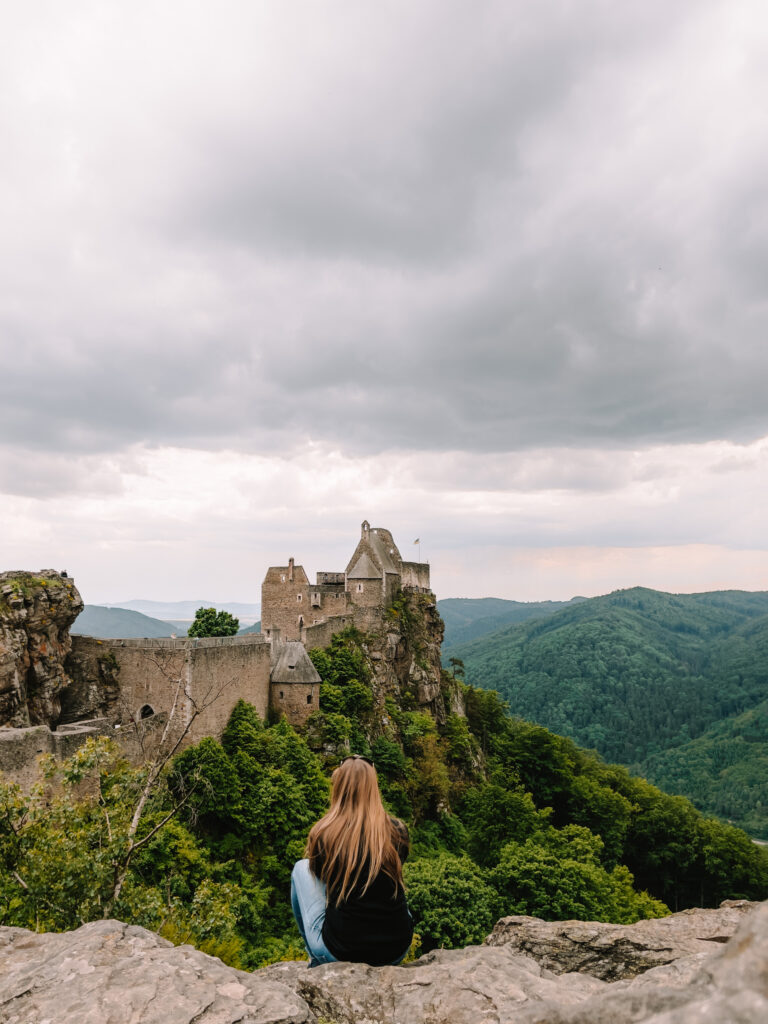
x=117, y=973
x=113, y=972
x=405, y=657
x=614, y=952
x=36, y=611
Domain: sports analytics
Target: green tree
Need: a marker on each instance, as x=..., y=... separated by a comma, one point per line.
x=556, y=874
x=209, y=622
x=451, y=903
x=75, y=856
x=457, y=668
x=495, y=814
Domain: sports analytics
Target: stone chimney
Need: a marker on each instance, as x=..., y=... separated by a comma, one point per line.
x=290, y=570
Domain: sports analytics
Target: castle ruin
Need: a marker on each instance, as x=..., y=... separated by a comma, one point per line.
x=117, y=687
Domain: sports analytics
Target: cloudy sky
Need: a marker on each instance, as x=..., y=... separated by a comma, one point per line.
x=491, y=275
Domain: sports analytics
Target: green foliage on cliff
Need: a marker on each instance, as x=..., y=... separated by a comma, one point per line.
x=209, y=622
x=505, y=817
x=672, y=685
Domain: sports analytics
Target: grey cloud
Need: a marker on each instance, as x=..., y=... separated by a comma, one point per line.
x=35, y=474
x=488, y=230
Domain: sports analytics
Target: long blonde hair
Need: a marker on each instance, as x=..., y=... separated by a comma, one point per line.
x=356, y=836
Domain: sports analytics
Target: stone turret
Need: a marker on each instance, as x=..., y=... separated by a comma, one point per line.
x=294, y=683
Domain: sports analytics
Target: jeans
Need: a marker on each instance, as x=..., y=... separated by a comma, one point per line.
x=308, y=902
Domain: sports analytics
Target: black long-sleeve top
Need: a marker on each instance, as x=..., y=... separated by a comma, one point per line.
x=372, y=927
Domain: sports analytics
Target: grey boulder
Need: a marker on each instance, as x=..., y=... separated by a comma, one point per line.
x=113, y=973
x=712, y=969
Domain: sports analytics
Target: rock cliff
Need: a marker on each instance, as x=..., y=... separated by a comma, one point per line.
x=712, y=968
x=36, y=611
x=405, y=657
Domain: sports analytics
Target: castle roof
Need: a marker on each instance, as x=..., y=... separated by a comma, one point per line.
x=384, y=549
x=380, y=548
x=294, y=665
x=364, y=569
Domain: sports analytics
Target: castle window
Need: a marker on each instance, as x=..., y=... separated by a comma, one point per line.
x=282, y=577
x=309, y=698
x=298, y=597
x=359, y=588
x=282, y=695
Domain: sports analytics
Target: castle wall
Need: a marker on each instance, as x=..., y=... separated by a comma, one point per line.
x=369, y=619
x=320, y=635
x=416, y=575
x=21, y=749
x=147, y=674
x=366, y=593
x=325, y=600
x=227, y=668
x=239, y=671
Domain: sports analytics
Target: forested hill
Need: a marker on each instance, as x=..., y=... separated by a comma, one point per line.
x=466, y=618
x=637, y=674
x=95, y=620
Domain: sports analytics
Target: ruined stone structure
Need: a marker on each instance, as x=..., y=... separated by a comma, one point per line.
x=56, y=690
x=358, y=597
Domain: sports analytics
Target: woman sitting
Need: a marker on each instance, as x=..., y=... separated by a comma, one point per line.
x=347, y=894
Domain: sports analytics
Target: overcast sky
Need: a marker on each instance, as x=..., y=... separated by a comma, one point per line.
x=490, y=275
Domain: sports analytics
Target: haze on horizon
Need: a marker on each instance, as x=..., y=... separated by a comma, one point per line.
x=492, y=277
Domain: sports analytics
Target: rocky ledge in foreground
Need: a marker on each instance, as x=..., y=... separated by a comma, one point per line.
x=713, y=969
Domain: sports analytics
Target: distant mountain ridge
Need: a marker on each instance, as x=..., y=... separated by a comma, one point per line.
x=120, y=624
x=106, y=622
x=466, y=618
x=671, y=685
x=185, y=610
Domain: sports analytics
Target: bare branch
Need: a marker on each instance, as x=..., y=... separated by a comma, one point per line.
x=166, y=819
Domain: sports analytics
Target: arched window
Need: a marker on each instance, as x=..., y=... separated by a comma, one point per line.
x=147, y=711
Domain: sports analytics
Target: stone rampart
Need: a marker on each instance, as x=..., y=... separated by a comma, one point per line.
x=21, y=749
x=210, y=673
x=321, y=634
x=416, y=576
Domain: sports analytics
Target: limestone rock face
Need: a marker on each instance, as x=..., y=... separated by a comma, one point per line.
x=405, y=658
x=36, y=611
x=476, y=985
x=614, y=951
x=726, y=983
x=108, y=971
